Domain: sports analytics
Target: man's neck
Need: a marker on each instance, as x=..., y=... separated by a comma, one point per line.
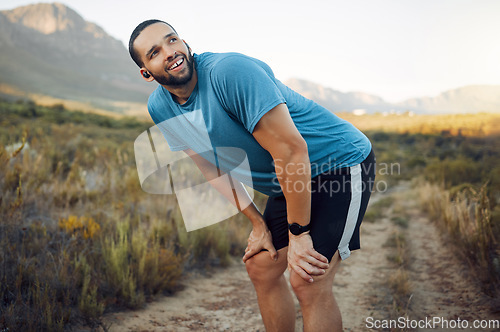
x=181, y=93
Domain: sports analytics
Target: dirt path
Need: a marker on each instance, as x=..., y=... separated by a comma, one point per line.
x=226, y=301
x=442, y=284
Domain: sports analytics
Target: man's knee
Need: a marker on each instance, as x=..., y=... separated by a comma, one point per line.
x=262, y=267
x=307, y=292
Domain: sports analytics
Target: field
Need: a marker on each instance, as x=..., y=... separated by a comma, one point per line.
x=79, y=238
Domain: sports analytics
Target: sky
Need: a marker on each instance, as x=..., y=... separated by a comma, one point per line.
x=395, y=49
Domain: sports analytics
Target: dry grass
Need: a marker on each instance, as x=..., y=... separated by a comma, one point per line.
x=477, y=125
x=465, y=215
x=398, y=283
x=78, y=235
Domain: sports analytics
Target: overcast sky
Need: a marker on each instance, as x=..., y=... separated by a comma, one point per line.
x=395, y=49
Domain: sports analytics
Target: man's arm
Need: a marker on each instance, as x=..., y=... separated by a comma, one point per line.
x=260, y=237
x=277, y=133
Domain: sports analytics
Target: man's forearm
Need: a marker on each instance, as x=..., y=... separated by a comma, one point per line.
x=294, y=174
x=235, y=192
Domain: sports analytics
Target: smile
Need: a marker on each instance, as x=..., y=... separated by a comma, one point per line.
x=176, y=64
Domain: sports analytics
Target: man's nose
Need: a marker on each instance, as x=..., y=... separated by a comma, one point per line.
x=169, y=52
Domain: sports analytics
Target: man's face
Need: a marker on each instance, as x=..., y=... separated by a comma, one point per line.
x=164, y=55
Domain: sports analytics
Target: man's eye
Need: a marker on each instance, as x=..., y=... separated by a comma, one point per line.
x=173, y=40
x=154, y=53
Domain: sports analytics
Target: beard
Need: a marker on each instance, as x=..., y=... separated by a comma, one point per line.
x=170, y=80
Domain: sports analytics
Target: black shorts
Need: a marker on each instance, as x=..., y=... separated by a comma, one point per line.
x=338, y=203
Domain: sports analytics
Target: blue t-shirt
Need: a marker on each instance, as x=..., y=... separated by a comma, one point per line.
x=232, y=94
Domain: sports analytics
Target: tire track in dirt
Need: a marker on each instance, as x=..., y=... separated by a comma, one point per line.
x=223, y=300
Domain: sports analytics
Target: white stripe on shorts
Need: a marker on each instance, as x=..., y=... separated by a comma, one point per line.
x=352, y=214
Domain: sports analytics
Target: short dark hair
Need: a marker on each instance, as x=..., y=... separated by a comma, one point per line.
x=137, y=31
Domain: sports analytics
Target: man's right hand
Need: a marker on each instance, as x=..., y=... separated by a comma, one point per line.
x=260, y=238
x=304, y=259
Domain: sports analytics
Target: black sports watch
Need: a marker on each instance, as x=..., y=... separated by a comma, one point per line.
x=297, y=229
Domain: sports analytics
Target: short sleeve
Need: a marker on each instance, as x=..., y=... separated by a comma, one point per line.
x=174, y=142
x=246, y=88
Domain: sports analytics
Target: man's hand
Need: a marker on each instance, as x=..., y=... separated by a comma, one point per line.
x=303, y=259
x=260, y=238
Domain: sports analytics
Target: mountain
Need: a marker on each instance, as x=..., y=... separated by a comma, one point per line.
x=468, y=99
x=50, y=49
x=337, y=101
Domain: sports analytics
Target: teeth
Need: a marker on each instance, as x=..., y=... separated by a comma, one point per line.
x=177, y=63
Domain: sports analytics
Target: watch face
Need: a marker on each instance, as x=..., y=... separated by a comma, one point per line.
x=295, y=229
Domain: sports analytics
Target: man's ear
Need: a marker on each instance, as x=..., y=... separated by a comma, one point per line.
x=146, y=75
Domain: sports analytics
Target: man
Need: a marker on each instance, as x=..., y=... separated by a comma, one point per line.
x=316, y=168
